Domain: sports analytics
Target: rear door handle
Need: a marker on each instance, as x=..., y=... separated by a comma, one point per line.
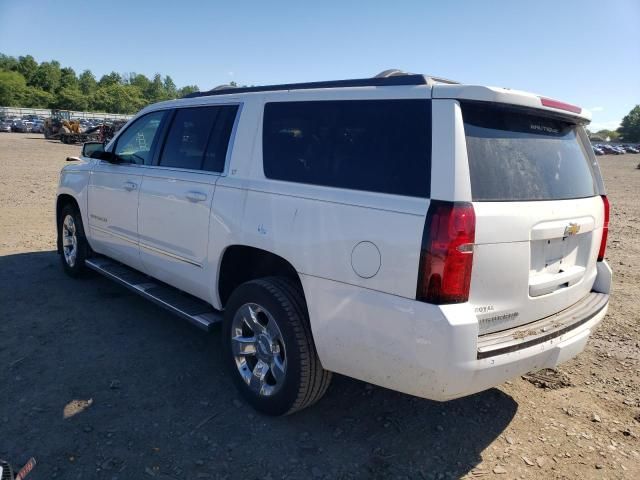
x=129, y=186
x=196, y=196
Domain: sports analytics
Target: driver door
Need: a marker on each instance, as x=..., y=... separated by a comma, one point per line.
x=114, y=189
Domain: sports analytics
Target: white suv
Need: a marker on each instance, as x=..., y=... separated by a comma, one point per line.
x=426, y=236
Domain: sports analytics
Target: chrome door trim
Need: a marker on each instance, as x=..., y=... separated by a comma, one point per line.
x=169, y=254
x=118, y=235
x=148, y=247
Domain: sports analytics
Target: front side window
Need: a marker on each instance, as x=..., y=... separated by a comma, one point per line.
x=198, y=138
x=374, y=145
x=137, y=142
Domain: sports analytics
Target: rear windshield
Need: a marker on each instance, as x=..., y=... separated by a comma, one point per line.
x=515, y=155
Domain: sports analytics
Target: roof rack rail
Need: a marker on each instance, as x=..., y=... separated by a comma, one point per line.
x=387, y=78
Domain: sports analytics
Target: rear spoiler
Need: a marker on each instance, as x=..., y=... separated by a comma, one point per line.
x=510, y=97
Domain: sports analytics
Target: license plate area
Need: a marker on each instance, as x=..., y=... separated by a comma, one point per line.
x=557, y=263
x=554, y=255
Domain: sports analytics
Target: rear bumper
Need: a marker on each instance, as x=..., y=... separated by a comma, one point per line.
x=434, y=351
x=544, y=330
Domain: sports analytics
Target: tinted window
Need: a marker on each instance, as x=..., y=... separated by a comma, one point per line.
x=376, y=145
x=518, y=156
x=216, y=152
x=136, y=143
x=198, y=138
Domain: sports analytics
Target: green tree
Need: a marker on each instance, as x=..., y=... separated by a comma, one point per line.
x=112, y=78
x=155, y=91
x=140, y=81
x=630, y=127
x=36, y=98
x=68, y=78
x=8, y=63
x=25, y=83
x=71, y=98
x=187, y=90
x=604, y=134
x=170, y=89
x=118, y=98
x=87, y=82
x=27, y=67
x=47, y=76
x=12, y=88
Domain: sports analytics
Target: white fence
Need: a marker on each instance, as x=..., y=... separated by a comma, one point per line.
x=44, y=112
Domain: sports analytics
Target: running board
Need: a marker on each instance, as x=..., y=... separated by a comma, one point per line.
x=196, y=311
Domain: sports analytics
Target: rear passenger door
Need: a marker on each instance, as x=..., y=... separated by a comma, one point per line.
x=176, y=196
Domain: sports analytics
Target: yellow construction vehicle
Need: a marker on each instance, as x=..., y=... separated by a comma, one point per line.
x=55, y=123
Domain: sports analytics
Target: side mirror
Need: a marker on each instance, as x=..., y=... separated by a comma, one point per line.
x=89, y=148
x=96, y=150
x=107, y=157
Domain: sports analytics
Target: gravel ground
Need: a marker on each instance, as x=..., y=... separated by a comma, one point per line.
x=98, y=383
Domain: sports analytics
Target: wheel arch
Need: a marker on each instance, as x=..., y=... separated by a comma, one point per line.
x=63, y=200
x=242, y=263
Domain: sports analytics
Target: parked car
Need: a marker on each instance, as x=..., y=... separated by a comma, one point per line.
x=610, y=150
x=394, y=233
x=630, y=149
x=5, y=126
x=20, y=126
x=598, y=150
x=38, y=127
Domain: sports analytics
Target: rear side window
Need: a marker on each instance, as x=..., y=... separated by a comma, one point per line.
x=516, y=155
x=374, y=145
x=198, y=138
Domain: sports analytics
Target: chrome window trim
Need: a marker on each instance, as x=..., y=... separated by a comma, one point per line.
x=178, y=169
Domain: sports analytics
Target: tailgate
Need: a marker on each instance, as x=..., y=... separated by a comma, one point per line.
x=539, y=214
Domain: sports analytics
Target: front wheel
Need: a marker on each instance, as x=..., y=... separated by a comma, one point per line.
x=72, y=241
x=269, y=348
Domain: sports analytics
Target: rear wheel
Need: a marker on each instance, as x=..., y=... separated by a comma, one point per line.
x=269, y=348
x=72, y=240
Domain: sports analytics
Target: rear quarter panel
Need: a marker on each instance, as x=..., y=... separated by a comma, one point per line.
x=313, y=227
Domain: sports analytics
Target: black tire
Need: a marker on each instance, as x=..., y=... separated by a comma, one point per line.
x=305, y=381
x=76, y=267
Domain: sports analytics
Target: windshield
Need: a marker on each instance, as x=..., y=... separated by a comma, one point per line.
x=516, y=155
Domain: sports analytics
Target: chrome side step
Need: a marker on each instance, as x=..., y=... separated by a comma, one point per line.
x=199, y=313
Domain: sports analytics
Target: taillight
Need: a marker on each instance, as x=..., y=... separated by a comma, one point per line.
x=446, y=257
x=605, y=229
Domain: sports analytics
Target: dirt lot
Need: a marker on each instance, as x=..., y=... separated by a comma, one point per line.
x=97, y=383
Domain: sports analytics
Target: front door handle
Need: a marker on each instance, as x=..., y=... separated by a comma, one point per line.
x=196, y=196
x=129, y=186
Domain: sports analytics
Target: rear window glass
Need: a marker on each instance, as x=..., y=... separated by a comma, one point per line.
x=374, y=145
x=517, y=156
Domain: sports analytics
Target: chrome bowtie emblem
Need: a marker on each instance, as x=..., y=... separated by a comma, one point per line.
x=571, y=229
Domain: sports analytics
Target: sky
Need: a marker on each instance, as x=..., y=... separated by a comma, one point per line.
x=584, y=52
